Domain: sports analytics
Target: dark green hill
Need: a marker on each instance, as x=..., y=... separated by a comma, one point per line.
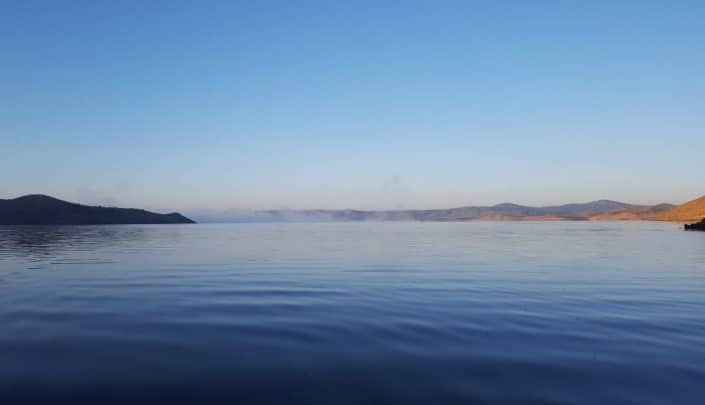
x=44, y=210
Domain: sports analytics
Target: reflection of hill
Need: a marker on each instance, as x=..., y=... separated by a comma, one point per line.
x=85, y=243
x=40, y=242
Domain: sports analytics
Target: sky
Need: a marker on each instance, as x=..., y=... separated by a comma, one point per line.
x=184, y=105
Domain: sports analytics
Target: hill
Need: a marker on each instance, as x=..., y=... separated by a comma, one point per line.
x=633, y=213
x=44, y=210
x=692, y=211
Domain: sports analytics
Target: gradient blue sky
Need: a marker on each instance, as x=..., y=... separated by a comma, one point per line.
x=414, y=104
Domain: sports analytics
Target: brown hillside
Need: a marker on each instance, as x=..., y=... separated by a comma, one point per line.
x=617, y=216
x=692, y=211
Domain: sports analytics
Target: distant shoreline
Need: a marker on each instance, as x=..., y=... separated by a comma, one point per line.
x=39, y=209
x=601, y=210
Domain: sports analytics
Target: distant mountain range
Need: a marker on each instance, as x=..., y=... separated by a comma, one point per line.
x=602, y=210
x=45, y=210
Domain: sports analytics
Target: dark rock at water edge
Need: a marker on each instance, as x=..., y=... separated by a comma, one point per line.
x=44, y=210
x=700, y=226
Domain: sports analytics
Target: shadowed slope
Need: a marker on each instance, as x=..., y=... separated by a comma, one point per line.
x=44, y=210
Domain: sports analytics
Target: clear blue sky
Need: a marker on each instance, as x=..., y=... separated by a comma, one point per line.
x=257, y=104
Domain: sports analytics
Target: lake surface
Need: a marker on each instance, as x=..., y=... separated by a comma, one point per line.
x=353, y=313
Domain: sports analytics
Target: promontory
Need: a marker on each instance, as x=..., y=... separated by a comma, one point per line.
x=36, y=209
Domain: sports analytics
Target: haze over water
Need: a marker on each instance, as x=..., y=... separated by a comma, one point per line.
x=323, y=313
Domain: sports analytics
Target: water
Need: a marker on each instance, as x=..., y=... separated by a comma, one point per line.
x=353, y=313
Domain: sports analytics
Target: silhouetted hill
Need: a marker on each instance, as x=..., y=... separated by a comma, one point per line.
x=44, y=210
x=692, y=211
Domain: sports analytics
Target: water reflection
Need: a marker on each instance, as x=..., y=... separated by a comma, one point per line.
x=46, y=244
x=352, y=313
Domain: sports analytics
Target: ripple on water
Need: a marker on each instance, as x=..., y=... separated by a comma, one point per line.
x=353, y=313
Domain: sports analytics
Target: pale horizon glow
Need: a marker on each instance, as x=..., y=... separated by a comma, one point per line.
x=239, y=105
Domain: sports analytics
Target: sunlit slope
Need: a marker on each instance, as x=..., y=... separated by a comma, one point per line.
x=691, y=211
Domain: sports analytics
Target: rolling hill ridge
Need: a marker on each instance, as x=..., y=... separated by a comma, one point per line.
x=692, y=211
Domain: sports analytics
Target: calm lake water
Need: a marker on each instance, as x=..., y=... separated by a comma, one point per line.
x=353, y=313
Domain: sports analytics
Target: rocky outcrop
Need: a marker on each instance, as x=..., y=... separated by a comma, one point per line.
x=700, y=226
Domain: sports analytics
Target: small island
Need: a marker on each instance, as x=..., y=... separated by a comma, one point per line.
x=39, y=209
